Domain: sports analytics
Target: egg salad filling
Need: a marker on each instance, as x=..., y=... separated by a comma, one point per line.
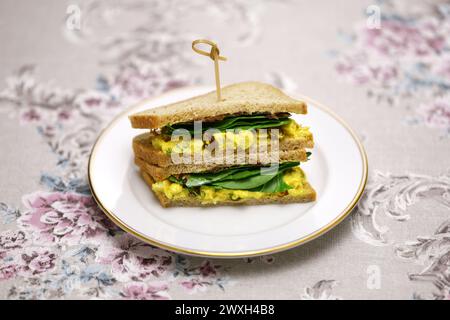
x=292, y=182
x=239, y=139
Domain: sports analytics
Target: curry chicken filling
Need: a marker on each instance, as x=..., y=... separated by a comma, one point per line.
x=293, y=180
x=239, y=139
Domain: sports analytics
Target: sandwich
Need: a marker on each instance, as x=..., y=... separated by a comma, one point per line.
x=243, y=150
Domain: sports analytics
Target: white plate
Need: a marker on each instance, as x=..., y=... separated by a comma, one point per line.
x=337, y=170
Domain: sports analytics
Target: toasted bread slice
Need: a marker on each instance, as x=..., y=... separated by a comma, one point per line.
x=160, y=173
x=289, y=150
x=239, y=98
x=307, y=196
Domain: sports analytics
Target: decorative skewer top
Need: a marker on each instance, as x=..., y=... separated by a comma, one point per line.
x=214, y=54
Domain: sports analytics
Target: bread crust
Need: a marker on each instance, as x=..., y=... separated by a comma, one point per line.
x=309, y=196
x=239, y=98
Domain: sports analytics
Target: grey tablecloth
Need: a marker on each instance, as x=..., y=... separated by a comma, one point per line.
x=67, y=67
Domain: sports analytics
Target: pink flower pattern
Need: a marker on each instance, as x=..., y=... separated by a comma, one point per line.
x=12, y=239
x=35, y=261
x=8, y=271
x=405, y=61
x=436, y=113
x=67, y=218
x=202, y=277
x=133, y=260
x=145, y=291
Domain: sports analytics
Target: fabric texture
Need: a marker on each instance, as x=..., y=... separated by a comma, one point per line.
x=68, y=69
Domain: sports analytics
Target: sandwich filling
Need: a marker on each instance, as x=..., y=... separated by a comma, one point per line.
x=244, y=182
x=238, y=131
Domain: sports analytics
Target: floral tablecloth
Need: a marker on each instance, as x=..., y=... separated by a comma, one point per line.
x=67, y=67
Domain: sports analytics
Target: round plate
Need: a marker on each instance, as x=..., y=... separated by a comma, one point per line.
x=337, y=170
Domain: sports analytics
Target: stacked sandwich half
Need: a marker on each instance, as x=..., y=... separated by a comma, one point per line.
x=245, y=149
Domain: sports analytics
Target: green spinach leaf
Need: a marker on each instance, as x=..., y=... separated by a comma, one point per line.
x=254, y=178
x=244, y=184
x=243, y=122
x=276, y=184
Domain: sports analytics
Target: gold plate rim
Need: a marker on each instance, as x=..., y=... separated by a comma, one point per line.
x=252, y=253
